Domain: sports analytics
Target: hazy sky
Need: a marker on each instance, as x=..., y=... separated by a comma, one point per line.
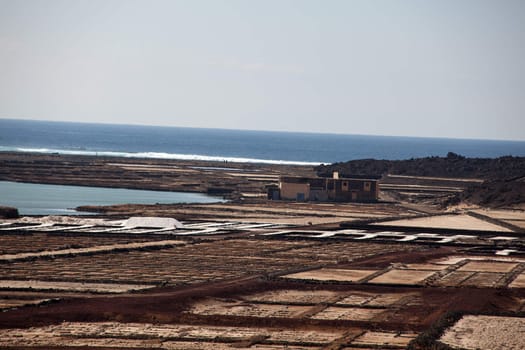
x=446, y=68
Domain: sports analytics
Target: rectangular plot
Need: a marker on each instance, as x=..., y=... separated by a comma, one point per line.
x=483, y=279
x=239, y=308
x=430, y=267
x=454, y=279
x=519, y=282
x=293, y=296
x=389, y=299
x=451, y=260
x=384, y=339
x=283, y=347
x=327, y=274
x=344, y=251
x=302, y=337
x=348, y=313
x=488, y=266
x=222, y=333
x=407, y=277
x=177, y=345
x=72, y=286
x=357, y=298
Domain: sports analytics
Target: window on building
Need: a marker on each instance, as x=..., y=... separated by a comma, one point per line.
x=367, y=186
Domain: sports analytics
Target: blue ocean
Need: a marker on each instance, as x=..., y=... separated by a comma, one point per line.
x=232, y=145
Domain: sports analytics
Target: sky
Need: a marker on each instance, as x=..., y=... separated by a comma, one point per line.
x=447, y=68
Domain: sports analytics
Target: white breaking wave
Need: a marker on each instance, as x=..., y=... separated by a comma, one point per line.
x=157, y=155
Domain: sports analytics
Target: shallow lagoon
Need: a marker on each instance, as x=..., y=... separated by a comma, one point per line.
x=40, y=199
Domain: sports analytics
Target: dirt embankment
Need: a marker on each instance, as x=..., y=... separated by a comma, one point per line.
x=504, y=177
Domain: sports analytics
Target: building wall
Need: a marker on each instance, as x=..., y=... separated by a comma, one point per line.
x=338, y=190
x=318, y=195
x=292, y=191
x=349, y=190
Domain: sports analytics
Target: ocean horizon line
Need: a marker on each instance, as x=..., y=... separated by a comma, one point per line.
x=300, y=132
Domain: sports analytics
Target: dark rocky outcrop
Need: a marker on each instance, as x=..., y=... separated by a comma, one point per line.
x=8, y=213
x=453, y=165
x=492, y=193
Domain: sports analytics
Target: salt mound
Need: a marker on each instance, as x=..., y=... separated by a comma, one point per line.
x=153, y=222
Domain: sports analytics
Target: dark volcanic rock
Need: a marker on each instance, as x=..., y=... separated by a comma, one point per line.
x=494, y=194
x=8, y=213
x=453, y=165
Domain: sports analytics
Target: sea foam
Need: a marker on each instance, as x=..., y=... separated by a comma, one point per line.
x=157, y=155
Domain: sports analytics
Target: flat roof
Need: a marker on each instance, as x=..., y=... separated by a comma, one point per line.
x=302, y=179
